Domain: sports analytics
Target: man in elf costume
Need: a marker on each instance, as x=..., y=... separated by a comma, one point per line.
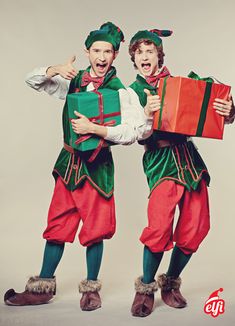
x=83, y=190
x=176, y=175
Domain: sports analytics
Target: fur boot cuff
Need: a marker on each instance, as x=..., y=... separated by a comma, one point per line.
x=144, y=288
x=36, y=284
x=167, y=283
x=89, y=286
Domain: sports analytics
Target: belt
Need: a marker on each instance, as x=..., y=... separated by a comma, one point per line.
x=71, y=150
x=165, y=143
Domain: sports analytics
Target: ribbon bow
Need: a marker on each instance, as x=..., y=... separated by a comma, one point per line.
x=87, y=79
x=193, y=75
x=152, y=80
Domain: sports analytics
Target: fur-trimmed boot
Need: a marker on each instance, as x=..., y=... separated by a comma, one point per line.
x=90, y=295
x=170, y=292
x=37, y=291
x=144, y=298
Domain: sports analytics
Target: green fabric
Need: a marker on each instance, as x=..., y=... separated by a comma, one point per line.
x=162, y=102
x=181, y=163
x=139, y=85
x=88, y=103
x=108, y=32
x=204, y=107
x=195, y=76
x=152, y=35
x=99, y=173
x=94, y=257
x=178, y=262
x=151, y=262
x=52, y=255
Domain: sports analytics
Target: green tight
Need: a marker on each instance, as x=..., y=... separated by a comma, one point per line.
x=151, y=262
x=178, y=261
x=53, y=253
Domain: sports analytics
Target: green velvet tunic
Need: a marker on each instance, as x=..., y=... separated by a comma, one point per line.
x=181, y=162
x=74, y=168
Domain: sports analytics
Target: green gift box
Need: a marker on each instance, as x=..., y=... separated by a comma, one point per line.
x=99, y=106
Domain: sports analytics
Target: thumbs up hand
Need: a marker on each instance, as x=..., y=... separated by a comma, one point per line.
x=153, y=103
x=65, y=70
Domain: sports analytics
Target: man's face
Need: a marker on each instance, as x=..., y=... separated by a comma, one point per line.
x=146, y=59
x=101, y=55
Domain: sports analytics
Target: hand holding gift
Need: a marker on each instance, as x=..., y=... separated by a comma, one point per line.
x=90, y=113
x=224, y=107
x=66, y=70
x=189, y=106
x=83, y=126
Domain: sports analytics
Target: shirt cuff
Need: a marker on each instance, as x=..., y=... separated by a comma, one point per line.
x=110, y=134
x=147, y=120
x=40, y=72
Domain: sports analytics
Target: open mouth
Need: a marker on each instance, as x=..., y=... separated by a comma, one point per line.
x=101, y=66
x=146, y=66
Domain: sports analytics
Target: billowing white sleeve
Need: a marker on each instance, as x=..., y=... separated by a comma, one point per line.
x=135, y=125
x=56, y=86
x=144, y=127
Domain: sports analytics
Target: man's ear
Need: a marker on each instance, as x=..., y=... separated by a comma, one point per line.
x=116, y=54
x=86, y=52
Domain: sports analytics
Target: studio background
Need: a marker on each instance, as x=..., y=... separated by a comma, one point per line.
x=49, y=32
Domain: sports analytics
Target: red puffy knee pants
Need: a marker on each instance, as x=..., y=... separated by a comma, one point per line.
x=84, y=204
x=193, y=222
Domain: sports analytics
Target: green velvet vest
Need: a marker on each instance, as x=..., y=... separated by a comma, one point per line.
x=74, y=168
x=181, y=163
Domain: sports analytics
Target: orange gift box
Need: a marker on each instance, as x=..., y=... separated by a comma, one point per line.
x=187, y=107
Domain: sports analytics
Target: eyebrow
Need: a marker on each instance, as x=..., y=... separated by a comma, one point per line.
x=98, y=49
x=148, y=50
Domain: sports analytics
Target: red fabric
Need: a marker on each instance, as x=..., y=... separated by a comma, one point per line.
x=87, y=79
x=68, y=208
x=153, y=80
x=193, y=222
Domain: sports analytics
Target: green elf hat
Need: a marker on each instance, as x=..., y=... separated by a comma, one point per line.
x=108, y=32
x=153, y=35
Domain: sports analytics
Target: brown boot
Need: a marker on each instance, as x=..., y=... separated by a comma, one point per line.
x=144, y=298
x=90, y=295
x=37, y=291
x=170, y=292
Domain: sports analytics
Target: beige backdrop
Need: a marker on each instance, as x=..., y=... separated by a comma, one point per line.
x=38, y=33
